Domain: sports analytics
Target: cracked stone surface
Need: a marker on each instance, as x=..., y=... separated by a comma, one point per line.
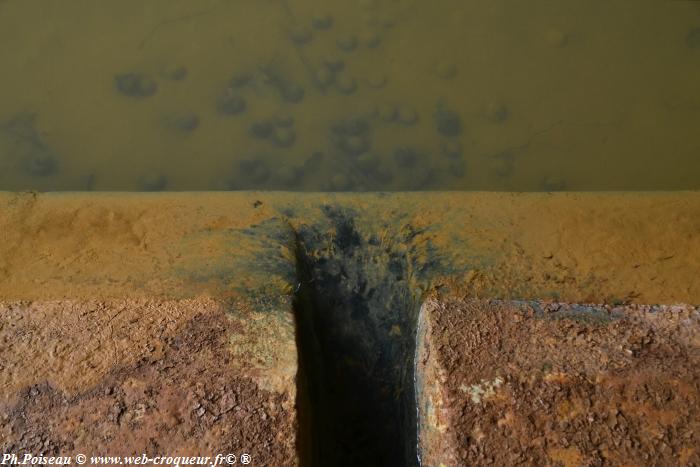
x=530, y=383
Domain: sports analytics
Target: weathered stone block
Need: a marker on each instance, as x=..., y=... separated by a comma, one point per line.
x=508, y=383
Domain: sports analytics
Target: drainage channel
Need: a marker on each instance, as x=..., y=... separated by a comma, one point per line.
x=356, y=314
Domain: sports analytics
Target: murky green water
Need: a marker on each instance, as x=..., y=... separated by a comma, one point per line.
x=349, y=95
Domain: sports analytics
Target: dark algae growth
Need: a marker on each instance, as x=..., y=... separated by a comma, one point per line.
x=356, y=305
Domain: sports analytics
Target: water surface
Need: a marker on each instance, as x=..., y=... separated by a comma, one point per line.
x=349, y=95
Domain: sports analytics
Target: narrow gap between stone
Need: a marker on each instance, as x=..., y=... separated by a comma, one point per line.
x=356, y=319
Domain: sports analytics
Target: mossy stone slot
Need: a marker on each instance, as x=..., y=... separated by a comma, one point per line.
x=356, y=312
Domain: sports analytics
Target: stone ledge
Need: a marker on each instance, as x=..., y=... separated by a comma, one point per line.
x=507, y=383
x=106, y=299
x=185, y=377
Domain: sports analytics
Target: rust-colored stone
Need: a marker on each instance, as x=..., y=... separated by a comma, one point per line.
x=119, y=310
x=509, y=383
x=133, y=377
